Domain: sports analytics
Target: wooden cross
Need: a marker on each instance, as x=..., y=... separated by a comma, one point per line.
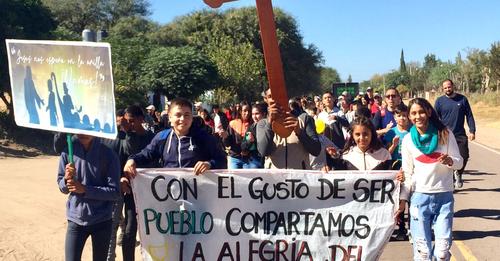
x=272, y=56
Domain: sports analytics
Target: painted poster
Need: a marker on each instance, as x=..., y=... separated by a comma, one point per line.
x=264, y=214
x=63, y=86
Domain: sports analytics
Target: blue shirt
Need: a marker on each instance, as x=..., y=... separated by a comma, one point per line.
x=453, y=111
x=396, y=154
x=99, y=171
x=381, y=121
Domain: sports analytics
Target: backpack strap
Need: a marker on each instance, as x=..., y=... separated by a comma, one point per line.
x=163, y=136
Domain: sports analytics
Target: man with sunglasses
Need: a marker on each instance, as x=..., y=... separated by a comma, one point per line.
x=384, y=120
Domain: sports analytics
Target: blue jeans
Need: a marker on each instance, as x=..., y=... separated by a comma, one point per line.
x=76, y=236
x=428, y=210
x=246, y=163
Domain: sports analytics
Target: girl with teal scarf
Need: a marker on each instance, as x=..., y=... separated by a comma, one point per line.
x=426, y=161
x=426, y=142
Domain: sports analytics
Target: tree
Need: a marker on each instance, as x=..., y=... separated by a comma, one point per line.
x=130, y=44
x=441, y=72
x=476, y=71
x=402, y=64
x=240, y=68
x=396, y=78
x=377, y=82
x=494, y=63
x=76, y=15
x=328, y=77
x=204, y=29
x=349, y=79
x=22, y=19
x=178, y=72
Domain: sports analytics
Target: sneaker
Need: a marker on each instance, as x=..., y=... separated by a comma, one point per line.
x=459, y=183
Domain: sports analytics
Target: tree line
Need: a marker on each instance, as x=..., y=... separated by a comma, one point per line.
x=216, y=55
x=478, y=72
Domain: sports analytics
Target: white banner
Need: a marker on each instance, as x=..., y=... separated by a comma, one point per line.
x=63, y=86
x=264, y=214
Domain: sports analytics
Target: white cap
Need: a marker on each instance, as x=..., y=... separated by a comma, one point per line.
x=198, y=104
x=361, y=93
x=150, y=107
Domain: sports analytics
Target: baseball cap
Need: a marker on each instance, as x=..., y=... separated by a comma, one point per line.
x=150, y=107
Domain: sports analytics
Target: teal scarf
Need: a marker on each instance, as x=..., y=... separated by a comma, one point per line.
x=427, y=142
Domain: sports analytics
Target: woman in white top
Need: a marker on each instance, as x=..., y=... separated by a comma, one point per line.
x=429, y=156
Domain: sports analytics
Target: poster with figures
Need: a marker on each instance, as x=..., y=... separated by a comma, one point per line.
x=63, y=86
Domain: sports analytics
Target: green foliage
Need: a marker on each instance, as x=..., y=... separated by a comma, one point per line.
x=430, y=62
x=349, y=79
x=21, y=19
x=396, y=78
x=441, y=72
x=402, y=64
x=76, y=15
x=328, y=77
x=494, y=60
x=403, y=89
x=178, y=72
x=240, y=68
x=133, y=27
x=212, y=30
x=377, y=82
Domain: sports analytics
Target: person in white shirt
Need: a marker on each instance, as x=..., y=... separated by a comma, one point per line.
x=334, y=119
x=429, y=156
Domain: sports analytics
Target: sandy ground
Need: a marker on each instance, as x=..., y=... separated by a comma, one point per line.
x=32, y=210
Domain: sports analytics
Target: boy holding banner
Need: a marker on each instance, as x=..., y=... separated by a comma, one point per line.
x=185, y=145
x=92, y=184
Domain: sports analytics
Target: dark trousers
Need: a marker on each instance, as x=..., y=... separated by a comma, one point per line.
x=130, y=229
x=463, y=147
x=76, y=236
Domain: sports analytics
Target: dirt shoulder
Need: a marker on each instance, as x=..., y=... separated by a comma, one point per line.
x=487, y=125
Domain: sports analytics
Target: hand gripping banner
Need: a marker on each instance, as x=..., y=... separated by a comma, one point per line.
x=264, y=214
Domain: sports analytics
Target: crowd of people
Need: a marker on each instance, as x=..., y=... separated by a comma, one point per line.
x=364, y=132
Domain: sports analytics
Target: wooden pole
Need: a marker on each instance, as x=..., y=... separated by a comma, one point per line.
x=272, y=54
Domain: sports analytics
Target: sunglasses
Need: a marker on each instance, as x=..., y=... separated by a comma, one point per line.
x=391, y=96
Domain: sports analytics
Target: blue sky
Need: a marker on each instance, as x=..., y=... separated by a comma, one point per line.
x=364, y=37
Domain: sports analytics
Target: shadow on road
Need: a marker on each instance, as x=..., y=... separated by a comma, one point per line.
x=491, y=214
x=466, y=235
x=474, y=172
x=463, y=191
x=471, y=180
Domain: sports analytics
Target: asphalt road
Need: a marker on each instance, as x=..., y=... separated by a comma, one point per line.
x=476, y=228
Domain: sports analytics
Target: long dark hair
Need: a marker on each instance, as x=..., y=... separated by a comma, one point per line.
x=433, y=118
x=375, y=143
